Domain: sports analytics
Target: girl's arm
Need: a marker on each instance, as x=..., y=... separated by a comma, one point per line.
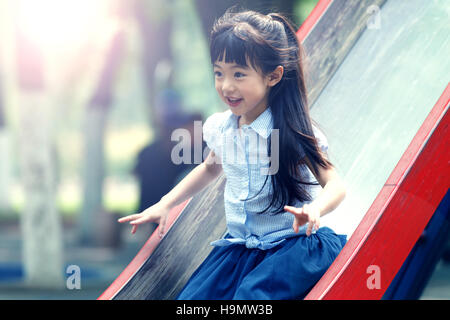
x=332, y=194
x=192, y=183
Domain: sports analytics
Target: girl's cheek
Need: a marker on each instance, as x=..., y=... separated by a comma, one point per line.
x=219, y=90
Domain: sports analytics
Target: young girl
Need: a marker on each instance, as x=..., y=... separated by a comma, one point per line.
x=273, y=248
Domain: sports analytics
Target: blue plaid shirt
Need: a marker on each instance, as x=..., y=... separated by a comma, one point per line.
x=243, y=155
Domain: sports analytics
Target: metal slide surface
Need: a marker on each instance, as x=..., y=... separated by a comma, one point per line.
x=379, y=97
x=386, y=115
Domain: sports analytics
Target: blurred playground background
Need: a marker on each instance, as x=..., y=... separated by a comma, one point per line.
x=89, y=92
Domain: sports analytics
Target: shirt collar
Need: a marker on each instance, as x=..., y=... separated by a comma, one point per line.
x=262, y=125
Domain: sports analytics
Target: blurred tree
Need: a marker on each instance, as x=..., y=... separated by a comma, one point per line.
x=155, y=20
x=40, y=221
x=95, y=122
x=2, y=112
x=5, y=155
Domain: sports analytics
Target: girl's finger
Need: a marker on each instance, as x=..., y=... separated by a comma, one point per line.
x=140, y=220
x=295, y=225
x=134, y=229
x=129, y=218
x=162, y=226
x=314, y=225
x=290, y=208
x=293, y=210
x=309, y=229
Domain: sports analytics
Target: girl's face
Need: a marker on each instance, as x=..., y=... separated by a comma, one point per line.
x=242, y=88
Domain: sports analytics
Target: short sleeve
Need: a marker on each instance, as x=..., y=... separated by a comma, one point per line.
x=211, y=131
x=321, y=140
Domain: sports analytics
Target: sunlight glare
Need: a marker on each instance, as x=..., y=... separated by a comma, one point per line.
x=61, y=23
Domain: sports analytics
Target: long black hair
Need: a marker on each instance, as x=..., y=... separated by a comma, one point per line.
x=268, y=41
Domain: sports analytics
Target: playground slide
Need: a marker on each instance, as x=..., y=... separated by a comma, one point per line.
x=378, y=86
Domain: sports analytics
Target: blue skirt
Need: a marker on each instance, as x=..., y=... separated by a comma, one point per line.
x=285, y=272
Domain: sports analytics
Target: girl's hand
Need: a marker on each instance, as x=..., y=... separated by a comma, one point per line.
x=157, y=213
x=308, y=213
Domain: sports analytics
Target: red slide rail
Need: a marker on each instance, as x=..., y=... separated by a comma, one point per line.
x=382, y=241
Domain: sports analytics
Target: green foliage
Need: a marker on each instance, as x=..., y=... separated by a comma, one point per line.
x=302, y=9
x=193, y=71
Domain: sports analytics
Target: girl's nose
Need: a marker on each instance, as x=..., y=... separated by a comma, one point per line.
x=228, y=87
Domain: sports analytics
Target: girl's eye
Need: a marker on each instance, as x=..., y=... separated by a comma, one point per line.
x=236, y=74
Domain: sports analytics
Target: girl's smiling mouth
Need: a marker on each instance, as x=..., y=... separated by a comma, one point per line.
x=232, y=102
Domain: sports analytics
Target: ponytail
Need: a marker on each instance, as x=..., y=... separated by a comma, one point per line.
x=291, y=115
